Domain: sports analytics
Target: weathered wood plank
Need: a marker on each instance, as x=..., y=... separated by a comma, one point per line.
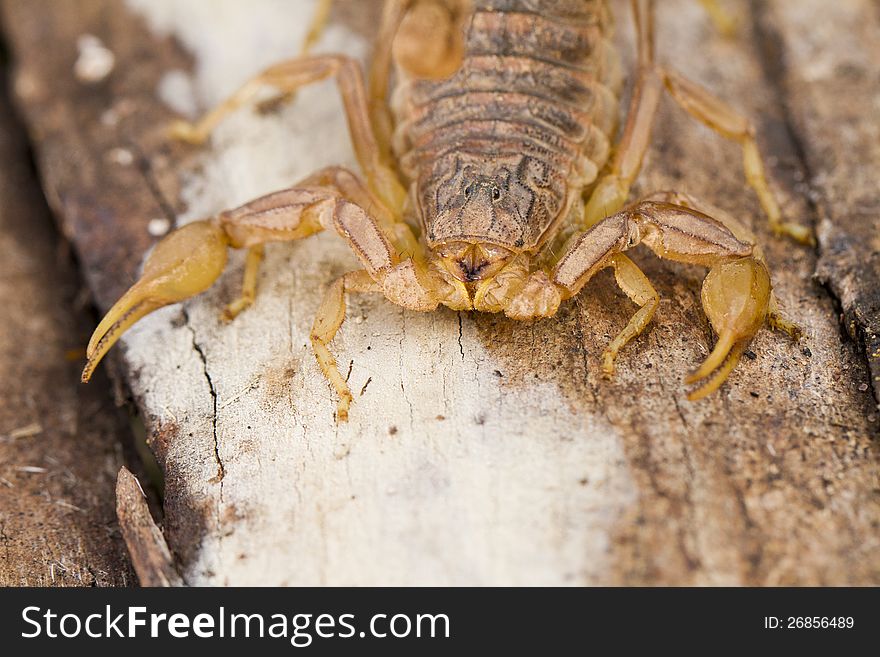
x=149, y=552
x=59, y=443
x=826, y=60
x=481, y=451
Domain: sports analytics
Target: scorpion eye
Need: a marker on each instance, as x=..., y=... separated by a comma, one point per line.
x=496, y=194
x=468, y=190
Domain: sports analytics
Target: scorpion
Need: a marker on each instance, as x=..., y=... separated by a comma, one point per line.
x=493, y=179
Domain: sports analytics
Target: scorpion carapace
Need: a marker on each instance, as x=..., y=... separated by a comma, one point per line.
x=492, y=181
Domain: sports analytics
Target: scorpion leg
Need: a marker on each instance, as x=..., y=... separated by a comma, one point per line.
x=393, y=12
x=352, y=189
x=288, y=77
x=190, y=259
x=329, y=318
x=612, y=190
x=638, y=288
x=405, y=282
x=248, y=284
x=720, y=117
x=736, y=293
x=313, y=35
x=317, y=26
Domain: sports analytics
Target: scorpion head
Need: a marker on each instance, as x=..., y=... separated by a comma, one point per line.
x=484, y=217
x=476, y=221
x=506, y=201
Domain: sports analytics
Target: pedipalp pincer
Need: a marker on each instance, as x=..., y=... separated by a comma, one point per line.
x=494, y=176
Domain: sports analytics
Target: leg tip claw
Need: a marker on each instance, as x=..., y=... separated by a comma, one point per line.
x=779, y=323
x=186, y=132
x=343, y=407
x=234, y=309
x=608, y=368
x=800, y=234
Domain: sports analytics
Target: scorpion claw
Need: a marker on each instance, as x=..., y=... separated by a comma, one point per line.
x=185, y=263
x=129, y=309
x=719, y=375
x=736, y=297
x=719, y=354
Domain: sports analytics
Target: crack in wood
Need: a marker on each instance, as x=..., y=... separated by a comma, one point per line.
x=221, y=470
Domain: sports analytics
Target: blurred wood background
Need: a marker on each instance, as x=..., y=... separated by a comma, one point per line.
x=60, y=442
x=479, y=451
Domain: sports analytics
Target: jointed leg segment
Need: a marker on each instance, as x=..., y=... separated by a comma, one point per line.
x=721, y=118
x=329, y=318
x=191, y=258
x=288, y=77
x=248, y=285
x=638, y=288
x=367, y=216
x=611, y=192
x=736, y=294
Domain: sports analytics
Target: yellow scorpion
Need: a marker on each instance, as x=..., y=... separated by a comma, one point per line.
x=491, y=181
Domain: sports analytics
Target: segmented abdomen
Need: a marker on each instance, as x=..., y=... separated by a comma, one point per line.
x=539, y=77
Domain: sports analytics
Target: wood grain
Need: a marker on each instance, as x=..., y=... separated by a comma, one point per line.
x=60, y=443
x=480, y=450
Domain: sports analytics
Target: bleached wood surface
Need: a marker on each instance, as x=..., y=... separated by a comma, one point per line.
x=479, y=451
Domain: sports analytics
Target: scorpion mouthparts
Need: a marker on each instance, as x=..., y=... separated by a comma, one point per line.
x=472, y=262
x=472, y=266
